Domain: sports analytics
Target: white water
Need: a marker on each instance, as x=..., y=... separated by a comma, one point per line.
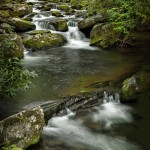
x=73, y=131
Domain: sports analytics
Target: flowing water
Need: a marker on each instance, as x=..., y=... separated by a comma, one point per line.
x=73, y=68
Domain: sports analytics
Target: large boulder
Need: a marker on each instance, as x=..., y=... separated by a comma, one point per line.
x=87, y=24
x=103, y=36
x=21, y=25
x=11, y=45
x=22, y=129
x=134, y=85
x=41, y=39
x=17, y=10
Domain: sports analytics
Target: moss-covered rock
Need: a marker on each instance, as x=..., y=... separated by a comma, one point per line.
x=43, y=40
x=56, y=13
x=87, y=24
x=22, y=129
x=64, y=7
x=54, y=1
x=11, y=46
x=21, y=25
x=103, y=36
x=17, y=10
x=134, y=85
x=47, y=7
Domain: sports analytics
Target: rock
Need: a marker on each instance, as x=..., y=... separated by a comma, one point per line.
x=47, y=7
x=21, y=25
x=64, y=7
x=29, y=17
x=22, y=129
x=130, y=89
x=11, y=45
x=103, y=36
x=17, y=10
x=54, y=1
x=87, y=24
x=42, y=40
x=56, y=13
x=58, y=24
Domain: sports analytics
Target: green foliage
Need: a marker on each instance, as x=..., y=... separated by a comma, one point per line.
x=8, y=146
x=13, y=76
x=124, y=16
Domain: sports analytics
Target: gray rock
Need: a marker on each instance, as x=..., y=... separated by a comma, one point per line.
x=22, y=129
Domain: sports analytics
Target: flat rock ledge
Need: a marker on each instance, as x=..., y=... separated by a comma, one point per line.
x=22, y=129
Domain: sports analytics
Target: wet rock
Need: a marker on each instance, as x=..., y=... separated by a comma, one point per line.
x=11, y=45
x=22, y=129
x=87, y=24
x=4, y=14
x=41, y=40
x=21, y=25
x=47, y=7
x=17, y=10
x=29, y=17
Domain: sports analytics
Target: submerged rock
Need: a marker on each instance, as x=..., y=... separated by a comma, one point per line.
x=22, y=129
x=11, y=45
x=41, y=39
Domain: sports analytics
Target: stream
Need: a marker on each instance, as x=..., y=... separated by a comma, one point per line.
x=71, y=69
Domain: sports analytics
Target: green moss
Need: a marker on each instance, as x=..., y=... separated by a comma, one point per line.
x=39, y=32
x=22, y=25
x=39, y=41
x=4, y=14
x=63, y=7
x=54, y=1
x=56, y=13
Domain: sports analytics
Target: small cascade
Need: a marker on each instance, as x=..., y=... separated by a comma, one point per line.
x=44, y=25
x=112, y=111
x=74, y=32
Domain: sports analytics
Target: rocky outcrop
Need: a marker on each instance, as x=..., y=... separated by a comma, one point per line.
x=42, y=39
x=11, y=45
x=22, y=129
x=87, y=24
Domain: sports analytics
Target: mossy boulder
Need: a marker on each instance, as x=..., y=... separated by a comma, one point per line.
x=47, y=7
x=87, y=24
x=135, y=85
x=22, y=129
x=56, y=13
x=38, y=40
x=17, y=10
x=103, y=36
x=29, y=17
x=21, y=25
x=11, y=45
x=64, y=7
